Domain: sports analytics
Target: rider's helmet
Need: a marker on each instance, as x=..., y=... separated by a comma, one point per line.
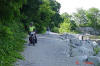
x=31, y=24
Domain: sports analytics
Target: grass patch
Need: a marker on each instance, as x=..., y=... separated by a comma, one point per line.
x=96, y=50
x=94, y=37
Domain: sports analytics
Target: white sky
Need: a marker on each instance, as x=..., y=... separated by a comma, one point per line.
x=71, y=6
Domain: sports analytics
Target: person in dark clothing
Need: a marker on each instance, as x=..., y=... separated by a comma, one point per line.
x=48, y=30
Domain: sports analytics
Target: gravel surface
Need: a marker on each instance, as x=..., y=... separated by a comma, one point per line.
x=49, y=51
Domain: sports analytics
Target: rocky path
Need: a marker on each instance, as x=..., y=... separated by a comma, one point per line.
x=49, y=51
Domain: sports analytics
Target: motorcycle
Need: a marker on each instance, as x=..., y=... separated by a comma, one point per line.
x=32, y=38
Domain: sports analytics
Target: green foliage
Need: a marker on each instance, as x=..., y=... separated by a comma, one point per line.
x=68, y=25
x=65, y=15
x=65, y=26
x=45, y=12
x=94, y=37
x=55, y=5
x=11, y=32
x=80, y=17
x=87, y=18
x=93, y=16
x=55, y=29
x=40, y=15
x=15, y=17
x=30, y=12
x=97, y=49
x=55, y=18
x=11, y=44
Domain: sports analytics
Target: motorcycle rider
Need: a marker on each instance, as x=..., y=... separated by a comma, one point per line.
x=32, y=31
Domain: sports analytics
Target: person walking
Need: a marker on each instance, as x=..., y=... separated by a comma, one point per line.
x=48, y=30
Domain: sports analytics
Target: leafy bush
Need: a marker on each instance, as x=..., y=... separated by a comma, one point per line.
x=97, y=49
x=55, y=29
x=11, y=43
x=65, y=26
x=11, y=31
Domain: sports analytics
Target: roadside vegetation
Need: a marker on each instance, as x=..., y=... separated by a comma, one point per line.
x=82, y=18
x=15, y=17
x=97, y=50
x=94, y=37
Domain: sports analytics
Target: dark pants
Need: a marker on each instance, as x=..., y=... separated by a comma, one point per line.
x=30, y=38
x=35, y=39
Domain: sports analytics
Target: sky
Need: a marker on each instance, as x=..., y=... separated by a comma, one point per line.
x=71, y=6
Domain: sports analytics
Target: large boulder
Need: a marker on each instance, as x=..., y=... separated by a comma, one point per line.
x=95, y=60
x=75, y=43
x=87, y=44
x=69, y=36
x=81, y=58
x=94, y=44
x=98, y=54
x=81, y=51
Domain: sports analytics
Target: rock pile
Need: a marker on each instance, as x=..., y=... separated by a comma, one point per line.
x=84, y=49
